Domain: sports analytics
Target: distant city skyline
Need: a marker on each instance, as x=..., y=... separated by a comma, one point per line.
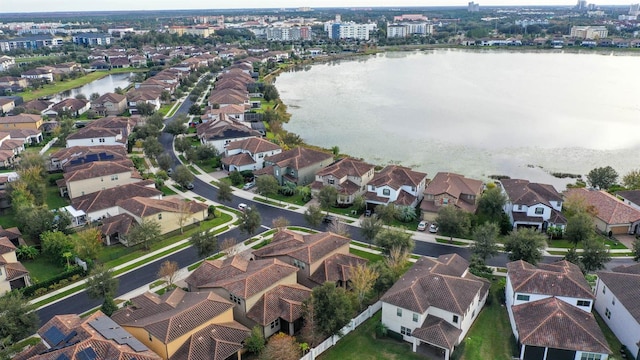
x=25, y=6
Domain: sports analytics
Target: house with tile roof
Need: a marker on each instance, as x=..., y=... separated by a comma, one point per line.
x=13, y=275
x=251, y=283
x=13, y=234
x=220, y=133
x=94, y=337
x=298, y=165
x=349, y=176
x=320, y=257
x=532, y=204
x=229, y=96
x=549, y=307
x=234, y=112
x=28, y=136
x=630, y=197
x=89, y=136
x=95, y=176
x=77, y=155
x=178, y=324
x=248, y=154
x=72, y=107
x=618, y=303
x=449, y=189
x=110, y=104
x=21, y=121
x=434, y=304
x=38, y=105
x=148, y=95
x=613, y=216
x=398, y=185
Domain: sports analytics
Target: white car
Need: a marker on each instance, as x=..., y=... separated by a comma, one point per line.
x=422, y=226
x=242, y=206
x=433, y=228
x=248, y=185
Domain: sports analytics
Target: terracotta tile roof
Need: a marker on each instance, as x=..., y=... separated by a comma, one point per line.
x=214, y=342
x=307, y=248
x=405, y=199
x=109, y=97
x=556, y=324
x=437, y=331
x=107, y=198
x=227, y=98
x=239, y=276
x=224, y=129
x=117, y=224
x=457, y=186
x=5, y=155
x=88, y=336
x=396, y=176
x=609, y=208
x=628, y=269
x=20, y=119
x=526, y=193
x=143, y=207
x=79, y=152
x=72, y=104
x=238, y=159
x=173, y=314
x=267, y=170
x=95, y=132
x=144, y=94
x=336, y=268
x=98, y=169
x=23, y=133
x=6, y=246
x=625, y=285
x=39, y=105
x=299, y=158
x=346, y=167
x=283, y=301
x=13, y=234
x=11, y=144
x=253, y=145
x=560, y=278
x=631, y=195
x=428, y=283
x=15, y=270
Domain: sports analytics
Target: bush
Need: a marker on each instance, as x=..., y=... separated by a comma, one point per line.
x=52, y=283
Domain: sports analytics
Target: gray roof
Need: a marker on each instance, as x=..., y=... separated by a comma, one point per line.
x=626, y=287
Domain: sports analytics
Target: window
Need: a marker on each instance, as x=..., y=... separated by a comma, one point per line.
x=445, y=201
x=539, y=211
x=275, y=323
x=150, y=337
x=520, y=207
x=455, y=319
x=405, y=331
x=331, y=181
x=386, y=192
x=590, y=356
x=101, y=140
x=584, y=303
x=607, y=313
x=236, y=299
x=299, y=264
x=114, y=177
x=613, y=301
x=399, y=312
x=604, y=289
x=160, y=216
x=522, y=297
x=415, y=317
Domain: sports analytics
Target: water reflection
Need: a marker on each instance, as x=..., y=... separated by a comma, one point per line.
x=100, y=86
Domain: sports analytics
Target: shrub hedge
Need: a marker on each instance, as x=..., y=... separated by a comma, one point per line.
x=50, y=284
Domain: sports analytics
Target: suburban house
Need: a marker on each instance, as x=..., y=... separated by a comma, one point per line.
x=92, y=337
x=28, y=136
x=349, y=176
x=396, y=184
x=38, y=73
x=37, y=105
x=613, y=216
x=532, y=204
x=222, y=132
x=618, y=303
x=226, y=97
x=13, y=275
x=320, y=257
x=298, y=166
x=95, y=135
x=7, y=62
x=78, y=155
x=6, y=105
x=13, y=234
x=73, y=107
x=549, y=308
x=22, y=121
x=145, y=95
x=11, y=147
x=251, y=283
x=248, y=154
x=449, y=189
x=95, y=176
x=235, y=112
x=630, y=197
x=184, y=325
x=434, y=304
x=110, y=104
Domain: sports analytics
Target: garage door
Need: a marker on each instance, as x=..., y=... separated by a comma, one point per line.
x=619, y=230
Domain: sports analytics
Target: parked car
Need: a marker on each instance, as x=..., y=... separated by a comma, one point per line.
x=242, y=206
x=170, y=172
x=248, y=185
x=422, y=226
x=433, y=228
x=190, y=186
x=328, y=219
x=367, y=212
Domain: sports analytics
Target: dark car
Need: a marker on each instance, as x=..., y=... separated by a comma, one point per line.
x=328, y=219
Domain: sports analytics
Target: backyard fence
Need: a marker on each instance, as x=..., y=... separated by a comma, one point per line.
x=352, y=325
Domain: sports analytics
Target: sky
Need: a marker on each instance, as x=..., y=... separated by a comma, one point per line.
x=9, y=6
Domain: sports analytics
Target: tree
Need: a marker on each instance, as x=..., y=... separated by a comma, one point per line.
x=164, y=161
x=327, y=197
x=370, y=227
x=250, y=221
x=391, y=238
x=579, y=228
x=280, y=223
x=313, y=215
x=144, y=233
x=602, y=177
x=205, y=242
x=362, y=277
x=387, y=213
x=594, y=254
x=304, y=192
x=575, y=202
x=270, y=92
x=632, y=180
x=26, y=252
x=109, y=306
x=490, y=206
x=331, y=306
x=152, y=147
x=229, y=246
x=55, y=244
x=237, y=179
x=101, y=284
x=339, y=227
x=453, y=222
x=176, y=127
x=182, y=176
x=184, y=212
x=525, y=244
x=225, y=193
x=636, y=249
x=182, y=143
x=18, y=318
x=267, y=184
x=335, y=150
x=359, y=203
x=573, y=257
x=485, y=245
x=195, y=110
x=281, y=347
x=255, y=343
x=88, y=243
x=34, y=221
x=165, y=96
x=145, y=109
x=168, y=271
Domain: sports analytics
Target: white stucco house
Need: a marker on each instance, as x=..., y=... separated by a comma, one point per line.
x=532, y=204
x=248, y=154
x=435, y=303
x=92, y=136
x=396, y=184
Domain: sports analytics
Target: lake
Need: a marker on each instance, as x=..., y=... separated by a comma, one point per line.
x=478, y=113
x=100, y=86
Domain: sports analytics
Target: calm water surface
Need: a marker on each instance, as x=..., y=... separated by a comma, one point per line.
x=476, y=113
x=100, y=86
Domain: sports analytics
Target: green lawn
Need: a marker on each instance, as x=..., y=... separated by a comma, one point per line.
x=566, y=244
x=295, y=199
x=166, y=191
x=614, y=343
x=490, y=336
x=348, y=211
x=367, y=255
x=8, y=219
x=41, y=268
x=447, y=241
x=362, y=344
x=54, y=200
x=206, y=166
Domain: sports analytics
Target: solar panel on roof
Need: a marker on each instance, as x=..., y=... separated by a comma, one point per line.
x=92, y=157
x=87, y=354
x=53, y=336
x=109, y=329
x=63, y=357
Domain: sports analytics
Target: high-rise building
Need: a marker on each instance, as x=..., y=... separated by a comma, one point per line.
x=473, y=7
x=634, y=9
